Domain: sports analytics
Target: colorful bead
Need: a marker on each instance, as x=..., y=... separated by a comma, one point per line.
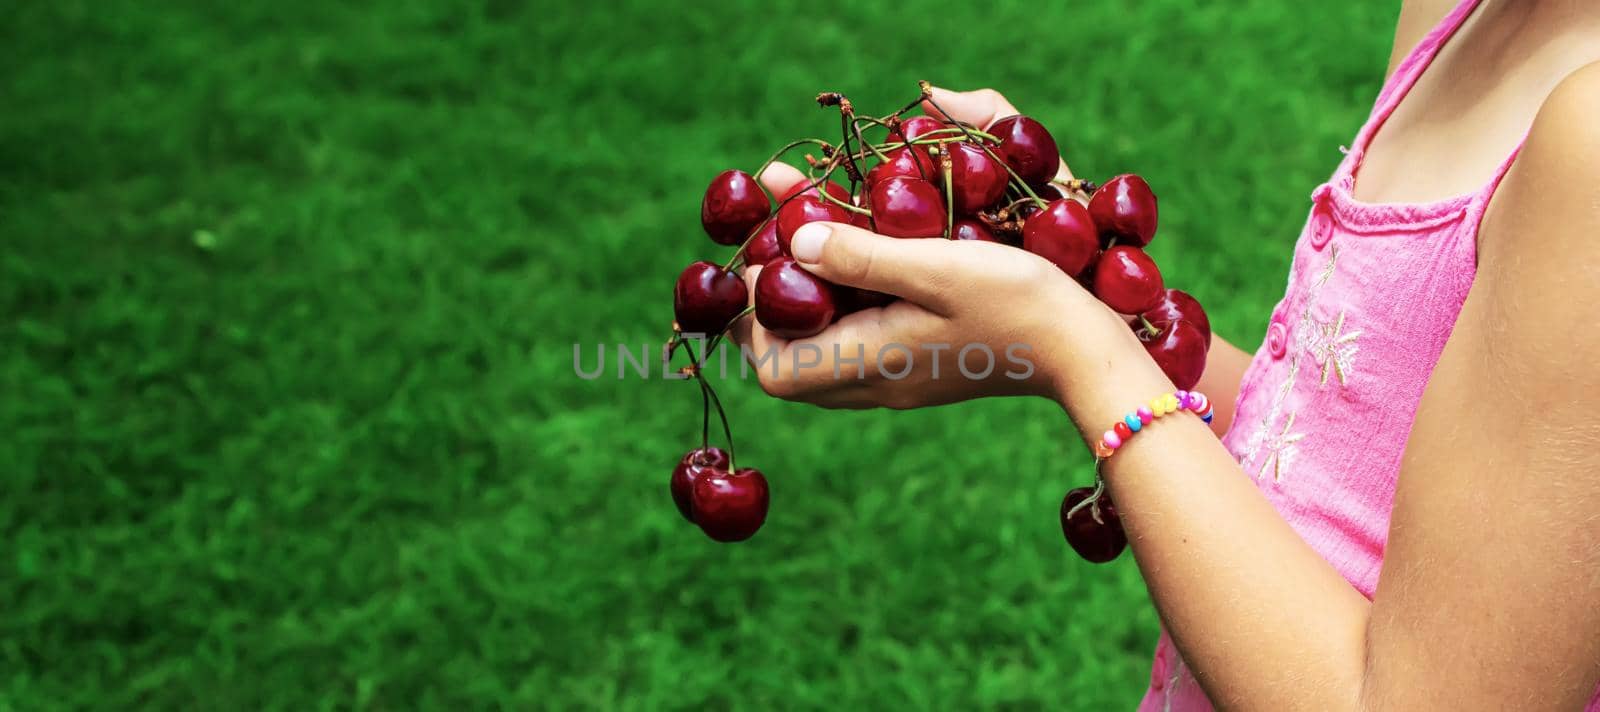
x=1171, y=402
x=1183, y=400
x=1102, y=450
x=1156, y=407
x=1145, y=414
x=1112, y=440
x=1122, y=430
x=1206, y=417
x=1199, y=403
x=1133, y=422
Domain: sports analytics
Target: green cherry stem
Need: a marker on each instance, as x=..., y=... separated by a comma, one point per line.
x=1149, y=327
x=949, y=195
x=842, y=204
x=824, y=145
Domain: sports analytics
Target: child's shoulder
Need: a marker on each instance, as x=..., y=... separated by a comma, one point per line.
x=1566, y=121
x=1551, y=198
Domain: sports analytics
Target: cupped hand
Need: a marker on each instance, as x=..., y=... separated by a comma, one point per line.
x=973, y=319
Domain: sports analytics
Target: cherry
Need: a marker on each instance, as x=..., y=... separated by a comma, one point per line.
x=694, y=464
x=909, y=161
x=792, y=302
x=1177, y=305
x=763, y=248
x=916, y=127
x=730, y=506
x=1179, y=348
x=707, y=297
x=1096, y=539
x=1125, y=210
x=1064, y=234
x=969, y=229
x=907, y=207
x=802, y=210
x=1127, y=280
x=1027, y=148
x=732, y=206
x=977, y=181
x=834, y=189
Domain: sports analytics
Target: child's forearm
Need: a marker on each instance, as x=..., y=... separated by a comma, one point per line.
x=1261, y=619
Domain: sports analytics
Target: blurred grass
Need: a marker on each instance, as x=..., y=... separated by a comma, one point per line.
x=289, y=292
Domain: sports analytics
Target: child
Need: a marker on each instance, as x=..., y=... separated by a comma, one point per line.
x=1423, y=403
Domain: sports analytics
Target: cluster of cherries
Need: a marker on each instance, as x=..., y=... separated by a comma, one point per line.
x=933, y=179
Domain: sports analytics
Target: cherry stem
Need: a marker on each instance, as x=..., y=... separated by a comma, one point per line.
x=861, y=141
x=842, y=204
x=949, y=196
x=705, y=416
x=723, y=415
x=915, y=102
x=1013, y=205
x=1154, y=332
x=1078, y=185
x=774, y=159
x=1093, y=500
x=957, y=129
x=847, y=126
x=968, y=133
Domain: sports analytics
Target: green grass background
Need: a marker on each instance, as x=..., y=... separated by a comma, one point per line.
x=289, y=292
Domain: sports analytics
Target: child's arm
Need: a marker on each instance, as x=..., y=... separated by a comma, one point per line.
x=1488, y=596
x=1490, y=593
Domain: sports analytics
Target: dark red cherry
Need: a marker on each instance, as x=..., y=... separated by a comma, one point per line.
x=1063, y=234
x=1094, y=531
x=1127, y=280
x=763, y=248
x=691, y=468
x=916, y=127
x=1125, y=210
x=1177, y=305
x=969, y=229
x=911, y=162
x=802, y=210
x=834, y=189
x=732, y=206
x=792, y=302
x=977, y=181
x=731, y=506
x=707, y=297
x=907, y=207
x=1179, y=348
x=1027, y=147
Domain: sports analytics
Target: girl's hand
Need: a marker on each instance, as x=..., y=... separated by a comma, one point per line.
x=974, y=319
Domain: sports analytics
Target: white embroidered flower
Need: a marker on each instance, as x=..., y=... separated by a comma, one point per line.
x=1330, y=346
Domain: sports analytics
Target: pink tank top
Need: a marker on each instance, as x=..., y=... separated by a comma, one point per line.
x=1327, y=402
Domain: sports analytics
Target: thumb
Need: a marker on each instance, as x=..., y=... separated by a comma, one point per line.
x=920, y=270
x=979, y=107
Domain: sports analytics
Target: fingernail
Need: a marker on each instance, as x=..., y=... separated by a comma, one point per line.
x=808, y=241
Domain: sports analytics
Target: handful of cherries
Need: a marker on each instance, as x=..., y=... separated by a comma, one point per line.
x=925, y=178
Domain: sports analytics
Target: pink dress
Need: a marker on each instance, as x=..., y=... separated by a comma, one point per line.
x=1373, y=293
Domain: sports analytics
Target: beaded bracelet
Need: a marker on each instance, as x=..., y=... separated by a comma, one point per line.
x=1192, y=401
